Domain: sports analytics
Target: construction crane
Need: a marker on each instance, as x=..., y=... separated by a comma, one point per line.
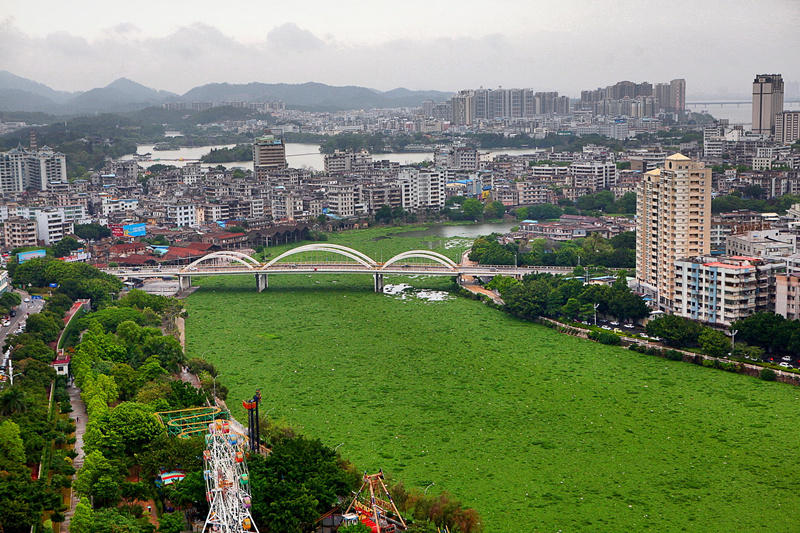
x=227, y=481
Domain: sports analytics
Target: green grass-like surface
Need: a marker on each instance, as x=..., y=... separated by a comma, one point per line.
x=536, y=430
x=380, y=243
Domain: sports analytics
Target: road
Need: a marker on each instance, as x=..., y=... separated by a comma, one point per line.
x=23, y=310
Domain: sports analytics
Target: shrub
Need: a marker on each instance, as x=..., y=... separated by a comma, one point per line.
x=767, y=374
x=709, y=363
x=604, y=337
x=673, y=355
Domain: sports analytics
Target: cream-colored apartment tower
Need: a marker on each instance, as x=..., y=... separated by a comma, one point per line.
x=673, y=222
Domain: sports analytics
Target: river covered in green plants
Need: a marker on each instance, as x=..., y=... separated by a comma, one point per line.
x=536, y=430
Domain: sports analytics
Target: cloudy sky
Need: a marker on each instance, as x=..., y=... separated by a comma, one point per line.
x=564, y=45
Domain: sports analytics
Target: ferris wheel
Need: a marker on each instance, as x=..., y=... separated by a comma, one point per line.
x=227, y=481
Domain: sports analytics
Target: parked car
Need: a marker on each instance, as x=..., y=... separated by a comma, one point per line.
x=784, y=364
x=26, y=300
x=614, y=323
x=786, y=358
x=606, y=327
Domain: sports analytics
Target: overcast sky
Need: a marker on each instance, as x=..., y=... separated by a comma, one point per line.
x=563, y=45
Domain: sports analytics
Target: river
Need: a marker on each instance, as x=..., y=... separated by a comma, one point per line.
x=298, y=155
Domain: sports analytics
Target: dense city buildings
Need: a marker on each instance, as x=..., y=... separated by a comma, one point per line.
x=673, y=222
x=636, y=99
x=767, y=102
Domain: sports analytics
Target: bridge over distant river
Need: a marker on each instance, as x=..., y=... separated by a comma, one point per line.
x=410, y=263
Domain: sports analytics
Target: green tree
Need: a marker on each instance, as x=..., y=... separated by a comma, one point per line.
x=713, y=342
x=33, y=348
x=65, y=246
x=384, y=214
x=543, y=212
x=674, y=330
x=12, y=449
x=98, y=479
x=124, y=431
x=472, y=209
x=92, y=232
x=296, y=483
x=44, y=326
x=626, y=203
x=83, y=519
x=495, y=210
x=172, y=523
x=571, y=309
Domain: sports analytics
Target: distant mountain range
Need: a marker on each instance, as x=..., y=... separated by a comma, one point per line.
x=22, y=94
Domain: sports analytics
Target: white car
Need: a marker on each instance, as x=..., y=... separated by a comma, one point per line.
x=786, y=358
x=26, y=300
x=784, y=364
x=629, y=326
x=606, y=327
x=614, y=323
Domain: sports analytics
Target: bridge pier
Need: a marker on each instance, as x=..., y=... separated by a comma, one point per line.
x=378, y=282
x=184, y=282
x=262, y=282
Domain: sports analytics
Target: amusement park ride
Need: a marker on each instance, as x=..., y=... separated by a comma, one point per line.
x=225, y=471
x=227, y=481
x=380, y=515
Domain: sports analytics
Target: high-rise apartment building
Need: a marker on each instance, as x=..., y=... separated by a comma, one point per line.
x=677, y=95
x=421, y=189
x=767, y=102
x=23, y=169
x=269, y=153
x=462, y=108
x=673, y=222
x=787, y=127
x=661, y=92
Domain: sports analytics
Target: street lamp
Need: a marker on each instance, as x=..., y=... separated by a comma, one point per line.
x=12, y=377
x=595, y=312
x=733, y=333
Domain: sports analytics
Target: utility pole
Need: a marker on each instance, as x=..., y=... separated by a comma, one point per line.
x=733, y=333
x=595, y=312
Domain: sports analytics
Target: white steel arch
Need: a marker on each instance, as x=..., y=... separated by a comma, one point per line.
x=423, y=254
x=355, y=255
x=239, y=257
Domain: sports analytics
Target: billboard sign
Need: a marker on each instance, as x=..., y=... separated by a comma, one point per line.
x=116, y=230
x=25, y=256
x=134, y=230
x=78, y=255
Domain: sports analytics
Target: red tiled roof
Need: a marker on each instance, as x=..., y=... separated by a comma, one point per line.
x=126, y=247
x=177, y=252
x=135, y=259
x=198, y=245
x=224, y=235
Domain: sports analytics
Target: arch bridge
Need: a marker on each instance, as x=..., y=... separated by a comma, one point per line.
x=338, y=260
